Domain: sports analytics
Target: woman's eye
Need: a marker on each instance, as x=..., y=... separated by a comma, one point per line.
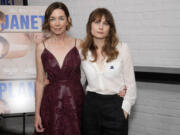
x=105, y=23
x=61, y=18
x=97, y=22
x=52, y=19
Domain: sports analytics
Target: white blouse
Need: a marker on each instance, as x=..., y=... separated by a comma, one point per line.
x=114, y=76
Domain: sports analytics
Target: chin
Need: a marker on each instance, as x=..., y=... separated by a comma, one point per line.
x=57, y=33
x=99, y=37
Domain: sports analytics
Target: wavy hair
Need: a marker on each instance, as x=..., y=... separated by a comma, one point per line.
x=111, y=40
x=48, y=12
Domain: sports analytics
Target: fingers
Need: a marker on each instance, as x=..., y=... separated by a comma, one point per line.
x=38, y=126
x=125, y=114
x=46, y=81
x=122, y=93
x=41, y=129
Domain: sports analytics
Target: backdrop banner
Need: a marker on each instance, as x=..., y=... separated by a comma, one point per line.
x=20, y=30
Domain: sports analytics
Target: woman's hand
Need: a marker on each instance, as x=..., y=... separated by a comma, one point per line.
x=38, y=124
x=125, y=114
x=46, y=81
x=122, y=93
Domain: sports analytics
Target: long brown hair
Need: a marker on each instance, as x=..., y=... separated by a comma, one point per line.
x=48, y=12
x=111, y=40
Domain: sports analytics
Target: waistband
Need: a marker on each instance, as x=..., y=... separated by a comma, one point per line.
x=64, y=81
x=101, y=96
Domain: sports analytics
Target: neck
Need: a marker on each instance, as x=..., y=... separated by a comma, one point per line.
x=59, y=38
x=99, y=43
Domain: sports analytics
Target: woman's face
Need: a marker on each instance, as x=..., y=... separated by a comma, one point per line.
x=58, y=22
x=100, y=28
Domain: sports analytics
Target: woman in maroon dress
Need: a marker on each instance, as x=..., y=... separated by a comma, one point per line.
x=59, y=103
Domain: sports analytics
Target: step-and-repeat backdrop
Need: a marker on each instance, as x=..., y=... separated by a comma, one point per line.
x=20, y=30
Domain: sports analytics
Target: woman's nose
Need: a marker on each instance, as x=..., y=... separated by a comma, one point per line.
x=100, y=26
x=57, y=22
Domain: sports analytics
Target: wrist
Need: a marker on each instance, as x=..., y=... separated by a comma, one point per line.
x=37, y=114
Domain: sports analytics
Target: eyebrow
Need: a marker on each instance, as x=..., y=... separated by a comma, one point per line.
x=56, y=17
x=98, y=18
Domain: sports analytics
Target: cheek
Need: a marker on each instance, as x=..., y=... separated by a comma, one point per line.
x=51, y=24
x=93, y=32
x=93, y=29
x=64, y=24
x=107, y=31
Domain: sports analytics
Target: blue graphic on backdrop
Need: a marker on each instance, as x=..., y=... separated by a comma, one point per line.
x=13, y=89
x=23, y=22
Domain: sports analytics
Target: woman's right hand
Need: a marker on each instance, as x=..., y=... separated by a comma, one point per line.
x=38, y=124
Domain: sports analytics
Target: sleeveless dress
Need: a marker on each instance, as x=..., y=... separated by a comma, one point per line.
x=62, y=101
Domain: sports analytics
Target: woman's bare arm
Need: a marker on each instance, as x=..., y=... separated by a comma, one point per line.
x=39, y=87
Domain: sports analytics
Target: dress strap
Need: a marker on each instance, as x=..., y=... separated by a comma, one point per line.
x=75, y=42
x=44, y=44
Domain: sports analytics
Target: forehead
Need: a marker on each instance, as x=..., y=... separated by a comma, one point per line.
x=57, y=13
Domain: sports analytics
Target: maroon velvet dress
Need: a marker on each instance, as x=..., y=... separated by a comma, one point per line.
x=61, y=106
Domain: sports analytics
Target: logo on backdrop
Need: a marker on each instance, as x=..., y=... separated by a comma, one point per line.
x=20, y=29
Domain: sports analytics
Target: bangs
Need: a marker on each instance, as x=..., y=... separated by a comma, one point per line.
x=98, y=16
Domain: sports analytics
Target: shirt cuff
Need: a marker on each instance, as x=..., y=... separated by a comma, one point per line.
x=126, y=106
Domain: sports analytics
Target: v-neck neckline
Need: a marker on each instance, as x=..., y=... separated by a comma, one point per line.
x=60, y=66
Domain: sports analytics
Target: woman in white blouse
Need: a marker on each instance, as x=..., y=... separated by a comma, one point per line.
x=108, y=68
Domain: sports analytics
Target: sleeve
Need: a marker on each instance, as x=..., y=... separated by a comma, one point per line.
x=129, y=79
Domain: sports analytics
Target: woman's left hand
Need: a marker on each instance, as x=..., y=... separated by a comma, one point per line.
x=125, y=114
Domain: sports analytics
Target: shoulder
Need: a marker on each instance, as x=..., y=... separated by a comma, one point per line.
x=79, y=44
x=40, y=47
x=125, y=52
x=122, y=46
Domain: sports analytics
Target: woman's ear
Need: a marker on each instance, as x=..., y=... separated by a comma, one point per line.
x=69, y=24
x=69, y=20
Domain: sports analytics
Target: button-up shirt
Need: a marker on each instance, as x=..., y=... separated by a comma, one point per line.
x=114, y=77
